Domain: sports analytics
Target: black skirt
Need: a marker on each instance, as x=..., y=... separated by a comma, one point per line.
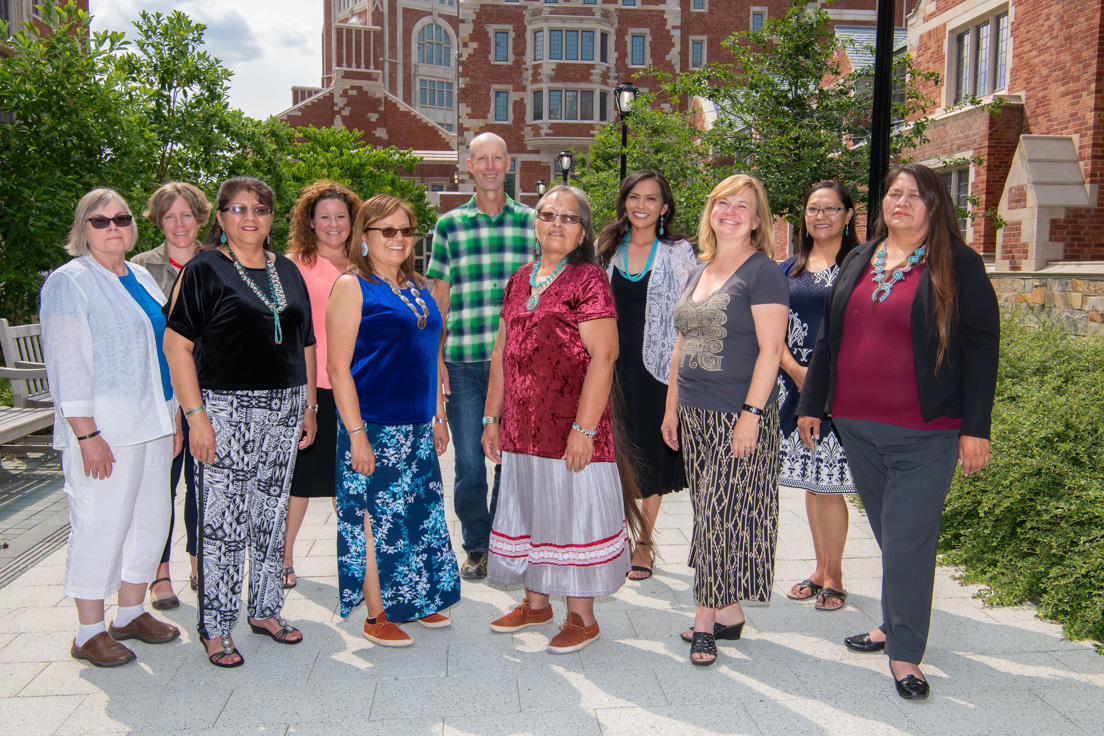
x=314, y=469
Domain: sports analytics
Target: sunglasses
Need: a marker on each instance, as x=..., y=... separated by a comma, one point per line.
x=241, y=209
x=551, y=217
x=390, y=232
x=100, y=222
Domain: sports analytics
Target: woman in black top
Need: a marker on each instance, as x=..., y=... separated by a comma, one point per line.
x=240, y=348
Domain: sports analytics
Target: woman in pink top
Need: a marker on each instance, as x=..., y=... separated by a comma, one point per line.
x=321, y=228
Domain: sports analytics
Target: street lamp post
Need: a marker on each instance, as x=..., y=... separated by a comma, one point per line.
x=542, y=187
x=565, y=159
x=624, y=97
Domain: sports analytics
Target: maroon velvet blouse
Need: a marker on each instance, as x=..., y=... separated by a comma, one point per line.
x=875, y=373
x=544, y=361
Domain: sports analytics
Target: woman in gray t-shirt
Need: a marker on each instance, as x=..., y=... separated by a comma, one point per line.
x=732, y=323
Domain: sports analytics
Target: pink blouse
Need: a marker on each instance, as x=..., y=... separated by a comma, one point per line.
x=544, y=361
x=320, y=279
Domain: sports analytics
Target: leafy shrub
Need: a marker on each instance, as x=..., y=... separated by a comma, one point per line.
x=1030, y=526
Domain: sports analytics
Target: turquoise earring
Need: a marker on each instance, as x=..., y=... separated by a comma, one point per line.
x=222, y=239
x=364, y=249
x=847, y=229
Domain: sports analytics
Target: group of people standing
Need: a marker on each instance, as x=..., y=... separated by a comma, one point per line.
x=596, y=373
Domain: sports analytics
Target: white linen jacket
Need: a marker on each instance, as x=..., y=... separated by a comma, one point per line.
x=670, y=271
x=101, y=355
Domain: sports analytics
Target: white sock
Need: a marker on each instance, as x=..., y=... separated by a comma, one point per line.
x=125, y=614
x=86, y=632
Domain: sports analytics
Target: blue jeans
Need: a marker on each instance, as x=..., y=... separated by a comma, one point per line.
x=468, y=384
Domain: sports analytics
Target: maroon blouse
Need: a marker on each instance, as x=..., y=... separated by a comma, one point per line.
x=544, y=361
x=875, y=373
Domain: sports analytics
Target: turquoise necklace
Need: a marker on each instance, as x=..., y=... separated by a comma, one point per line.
x=623, y=254
x=274, y=300
x=534, y=298
x=884, y=287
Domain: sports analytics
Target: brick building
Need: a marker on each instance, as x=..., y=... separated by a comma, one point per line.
x=16, y=12
x=1044, y=152
x=431, y=74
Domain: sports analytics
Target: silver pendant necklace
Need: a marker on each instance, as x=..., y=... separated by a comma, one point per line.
x=417, y=298
x=534, y=299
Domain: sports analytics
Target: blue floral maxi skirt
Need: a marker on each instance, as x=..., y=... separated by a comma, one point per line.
x=404, y=499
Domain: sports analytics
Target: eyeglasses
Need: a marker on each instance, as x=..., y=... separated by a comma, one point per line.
x=241, y=209
x=828, y=211
x=100, y=222
x=390, y=232
x=551, y=217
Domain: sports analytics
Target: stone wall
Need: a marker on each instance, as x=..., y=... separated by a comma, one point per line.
x=1077, y=302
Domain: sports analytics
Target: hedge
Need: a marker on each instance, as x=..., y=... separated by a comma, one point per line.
x=1030, y=526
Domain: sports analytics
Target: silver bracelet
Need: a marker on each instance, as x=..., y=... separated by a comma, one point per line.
x=362, y=428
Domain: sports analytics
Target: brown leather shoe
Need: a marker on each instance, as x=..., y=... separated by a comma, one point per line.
x=573, y=635
x=102, y=651
x=145, y=628
x=522, y=616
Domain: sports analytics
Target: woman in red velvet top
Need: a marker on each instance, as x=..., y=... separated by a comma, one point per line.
x=906, y=364
x=560, y=527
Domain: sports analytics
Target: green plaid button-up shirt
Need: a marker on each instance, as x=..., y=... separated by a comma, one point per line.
x=477, y=255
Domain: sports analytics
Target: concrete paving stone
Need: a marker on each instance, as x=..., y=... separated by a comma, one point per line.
x=828, y=678
x=729, y=680
x=80, y=678
x=474, y=660
x=446, y=696
x=37, y=716
x=316, y=531
x=275, y=729
x=38, y=647
x=41, y=574
x=14, y=676
x=659, y=625
x=345, y=702
x=429, y=726
x=1079, y=704
x=25, y=620
x=38, y=596
x=949, y=586
x=677, y=719
x=611, y=687
x=184, y=709
x=992, y=712
x=316, y=567
x=565, y=723
x=673, y=520
x=869, y=716
x=1085, y=661
x=965, y=635
x=969, y=673
x=368, y=662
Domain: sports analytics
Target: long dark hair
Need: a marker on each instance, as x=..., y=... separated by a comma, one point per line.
x=614, y=233
x=805, y=240
x=943, y=233
x=232, y=188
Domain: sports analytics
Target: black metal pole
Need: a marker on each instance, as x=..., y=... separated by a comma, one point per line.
x=881, y=115
x=624, y=146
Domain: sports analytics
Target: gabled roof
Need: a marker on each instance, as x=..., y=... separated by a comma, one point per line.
x=858, y=43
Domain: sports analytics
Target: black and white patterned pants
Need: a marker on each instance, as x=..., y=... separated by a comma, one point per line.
x=243, y=500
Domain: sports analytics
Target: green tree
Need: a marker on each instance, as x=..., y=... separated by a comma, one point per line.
x=658, y=139
x=70, y=129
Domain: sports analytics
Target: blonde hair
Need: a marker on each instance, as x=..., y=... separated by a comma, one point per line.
x=161, y=201
x=762, y=237
x=371, y=212
x=77, y=245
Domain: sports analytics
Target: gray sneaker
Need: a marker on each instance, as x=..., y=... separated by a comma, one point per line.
x=475, y=567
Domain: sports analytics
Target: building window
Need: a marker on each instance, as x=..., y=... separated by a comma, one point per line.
x=501, y=45
x=434, y=46
x=571, y=45
x=590, y=2
x=758, y=18
x=501, y=106
x=555, y=45
x=434, y=93
x=567, y=104
x=637, y=48
x=446, y=2
x=958, y=184
x=603, y=49
x=629, y=3
x=538, y=45
x=603, y=110
x=980, y=58
x=697, y=52
x=586, y=52
x=698, y=5
x=538, y=105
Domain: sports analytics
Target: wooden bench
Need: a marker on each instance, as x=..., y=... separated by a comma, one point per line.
x=22, y=347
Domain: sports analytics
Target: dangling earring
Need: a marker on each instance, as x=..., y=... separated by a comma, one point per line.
x=268, y=242
x=847, y=229
x=661, y=226
x=364, y=249
x=222, y=239
x=538, y=249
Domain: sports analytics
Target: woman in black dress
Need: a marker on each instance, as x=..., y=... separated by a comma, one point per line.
x=648, y=266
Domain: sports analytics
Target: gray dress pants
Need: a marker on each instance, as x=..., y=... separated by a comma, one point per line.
x=902, y=476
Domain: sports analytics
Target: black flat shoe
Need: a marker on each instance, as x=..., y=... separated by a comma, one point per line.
x=911, y=687
x=725, y=633
x=863, y=643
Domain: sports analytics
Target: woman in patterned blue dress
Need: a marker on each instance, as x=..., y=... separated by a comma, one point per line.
x=393, y=547
x=827, y=235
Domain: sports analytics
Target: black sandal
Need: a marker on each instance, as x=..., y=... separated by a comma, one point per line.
x=219, y=658
x=642, y=568
x=703, y=643
x=824, y=595
x=813, y=590
x=280, y=636
x=289, y=571
x=720, y=631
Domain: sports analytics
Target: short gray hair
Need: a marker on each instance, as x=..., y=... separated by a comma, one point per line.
x=77, y=245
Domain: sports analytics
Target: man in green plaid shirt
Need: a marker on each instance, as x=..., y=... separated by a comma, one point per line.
x=476, y=249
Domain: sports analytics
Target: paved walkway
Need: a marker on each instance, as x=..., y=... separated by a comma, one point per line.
x=993, y=671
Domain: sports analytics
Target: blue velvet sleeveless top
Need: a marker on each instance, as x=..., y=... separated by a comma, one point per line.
x=394, y=363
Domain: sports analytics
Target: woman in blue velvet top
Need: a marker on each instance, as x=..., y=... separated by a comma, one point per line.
x=393, y=545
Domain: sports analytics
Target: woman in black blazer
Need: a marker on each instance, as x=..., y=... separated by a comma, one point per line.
x=906, y=365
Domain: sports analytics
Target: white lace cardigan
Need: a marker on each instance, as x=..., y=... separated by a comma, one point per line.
x=670, y=271
x=101, y=355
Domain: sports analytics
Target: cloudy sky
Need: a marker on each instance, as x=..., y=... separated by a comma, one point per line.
x=269, y=45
